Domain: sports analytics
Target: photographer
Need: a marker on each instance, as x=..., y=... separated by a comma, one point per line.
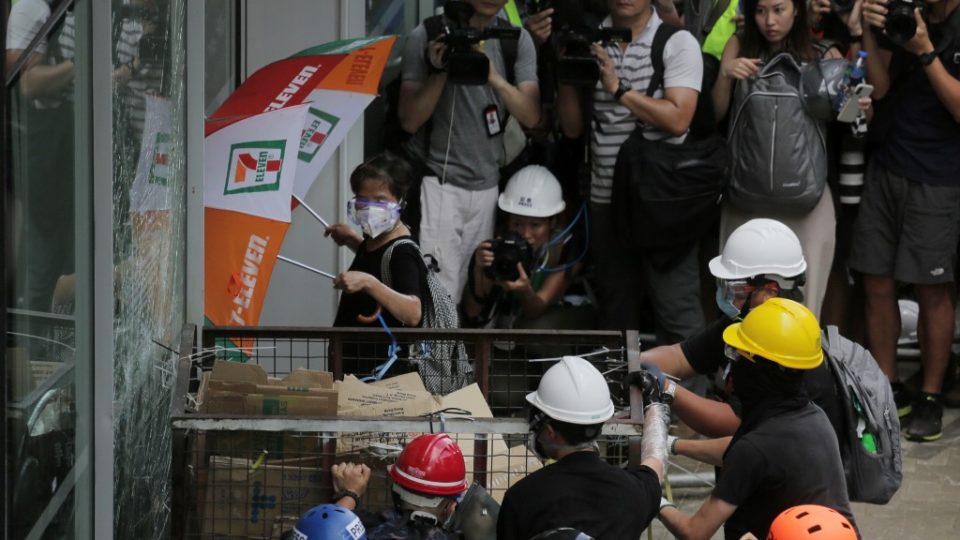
x=909, y=220
x=525, y=277
x=620, y=105
x=459, y=131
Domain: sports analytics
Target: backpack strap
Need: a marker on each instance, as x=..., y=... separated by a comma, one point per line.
x=832, y=344
x=509, y=49
x=664, y=33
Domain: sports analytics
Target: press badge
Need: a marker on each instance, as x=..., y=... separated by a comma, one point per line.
x=491, y=118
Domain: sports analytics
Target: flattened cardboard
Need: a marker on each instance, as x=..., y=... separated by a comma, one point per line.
x=245, y=389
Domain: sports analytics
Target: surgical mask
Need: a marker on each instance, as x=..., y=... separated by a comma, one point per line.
x=726, y=305
x=733, y=292
x=373, y=217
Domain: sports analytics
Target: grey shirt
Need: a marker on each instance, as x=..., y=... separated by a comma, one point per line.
x=472, y=158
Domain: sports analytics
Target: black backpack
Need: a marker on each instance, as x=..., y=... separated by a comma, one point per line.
x=668, y=195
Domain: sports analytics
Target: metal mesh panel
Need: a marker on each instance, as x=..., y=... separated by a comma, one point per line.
x=249, y=477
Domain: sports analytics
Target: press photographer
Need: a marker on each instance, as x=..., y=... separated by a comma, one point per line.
x=909, y=219
x=522, y=278
x=458, y=128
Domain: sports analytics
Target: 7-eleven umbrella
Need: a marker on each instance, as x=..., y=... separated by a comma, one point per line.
x=329, y=87
x=338, y=80
x=249, y=170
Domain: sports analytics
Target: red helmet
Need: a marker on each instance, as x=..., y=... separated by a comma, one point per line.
x=811, y=521
x=431, y=464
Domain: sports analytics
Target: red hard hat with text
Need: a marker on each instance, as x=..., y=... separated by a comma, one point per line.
x=431, y=464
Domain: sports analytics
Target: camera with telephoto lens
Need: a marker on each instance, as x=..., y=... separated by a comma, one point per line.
x=577, y=66
x=465, y=64
x=507, y=253
x=901, y=25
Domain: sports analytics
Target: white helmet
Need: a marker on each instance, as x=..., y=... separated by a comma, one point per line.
x=573, y=391
x=533, y=192
x=760, y=247
x=909, y=315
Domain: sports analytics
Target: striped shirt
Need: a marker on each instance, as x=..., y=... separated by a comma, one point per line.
x=613, y=122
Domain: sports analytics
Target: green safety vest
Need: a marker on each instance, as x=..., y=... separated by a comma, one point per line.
x=722, y=30
x=513, y=15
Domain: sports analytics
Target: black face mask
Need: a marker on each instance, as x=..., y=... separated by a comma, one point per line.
x=762, y=380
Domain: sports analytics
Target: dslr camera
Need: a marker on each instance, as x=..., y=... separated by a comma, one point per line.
x=465, y=64
x=901, y=25
x=507, y=252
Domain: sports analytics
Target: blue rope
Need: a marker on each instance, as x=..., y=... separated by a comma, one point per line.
x=586, y=241
x=392, y=350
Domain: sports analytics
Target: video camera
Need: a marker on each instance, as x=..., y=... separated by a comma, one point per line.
x=507, y=253
x=577, y=66
x=573, y=36
x=465, y=64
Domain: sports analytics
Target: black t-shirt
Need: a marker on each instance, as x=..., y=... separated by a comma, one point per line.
x=788, y=459
x=408, y=276
x=705, y=353
x=924, y=137
x=584, y=492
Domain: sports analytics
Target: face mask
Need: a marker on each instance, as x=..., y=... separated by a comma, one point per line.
x=725, y=304
x=373, y=217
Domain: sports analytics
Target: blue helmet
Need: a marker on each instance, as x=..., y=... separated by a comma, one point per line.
x=329, y=522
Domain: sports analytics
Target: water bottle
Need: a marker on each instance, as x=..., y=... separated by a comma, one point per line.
x=856, y=71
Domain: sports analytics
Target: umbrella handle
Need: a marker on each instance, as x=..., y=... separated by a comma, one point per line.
x=370, y=319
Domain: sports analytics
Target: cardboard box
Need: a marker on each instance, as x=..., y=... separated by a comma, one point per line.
x=245, y=389
x=245, y=497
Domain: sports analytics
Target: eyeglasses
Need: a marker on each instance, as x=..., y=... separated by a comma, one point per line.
x=734, y=354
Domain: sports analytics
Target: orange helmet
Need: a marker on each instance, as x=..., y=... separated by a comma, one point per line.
x=811, y=521
x=431, y=464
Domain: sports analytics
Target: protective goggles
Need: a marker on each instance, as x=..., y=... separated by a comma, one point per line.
x=359, y=203
x=737, y=291
x=734, y=354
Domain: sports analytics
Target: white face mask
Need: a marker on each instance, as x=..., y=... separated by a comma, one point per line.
x=373, y=217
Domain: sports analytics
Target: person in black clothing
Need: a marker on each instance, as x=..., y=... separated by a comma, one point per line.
x=761, y=260
x=379, y=186
x=581, y=490
x=784, y=453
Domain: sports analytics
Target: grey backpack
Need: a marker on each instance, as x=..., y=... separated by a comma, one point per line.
x=871, y=451
x=443, y=364
x=778, y=151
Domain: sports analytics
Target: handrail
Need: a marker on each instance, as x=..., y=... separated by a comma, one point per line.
x=55, y=16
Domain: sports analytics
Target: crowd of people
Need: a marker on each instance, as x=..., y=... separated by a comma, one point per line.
x=840, y=128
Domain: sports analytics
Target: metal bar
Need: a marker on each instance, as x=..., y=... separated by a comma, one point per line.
x=311, y=211
x=453, y=424
x=482, y=366
x=306, y=267
x=632, y=346
x=480, y=445
x=6, y=236
x=188, y=336
x=336, y=360
x=471, y=334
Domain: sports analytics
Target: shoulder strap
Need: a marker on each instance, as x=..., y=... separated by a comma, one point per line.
x=664, y=33
x=833, y=348
x=509, y=48
x=822, y=46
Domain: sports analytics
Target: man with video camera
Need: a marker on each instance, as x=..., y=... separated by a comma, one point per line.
x=620, y=104
x=456, y=102
x=909, y=220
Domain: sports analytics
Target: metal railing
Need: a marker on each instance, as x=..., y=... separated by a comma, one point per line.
x=249, y=477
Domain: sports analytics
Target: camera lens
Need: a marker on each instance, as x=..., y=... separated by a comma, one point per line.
x=901, y=24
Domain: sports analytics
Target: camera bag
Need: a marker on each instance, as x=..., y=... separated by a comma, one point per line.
x=442, y=363
x=668, y=195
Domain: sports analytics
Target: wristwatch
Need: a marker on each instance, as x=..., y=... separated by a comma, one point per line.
x=927, y=58
x=347, y=493
x=621, y=90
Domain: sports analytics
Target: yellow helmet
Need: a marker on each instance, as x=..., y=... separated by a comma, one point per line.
x=780, y=330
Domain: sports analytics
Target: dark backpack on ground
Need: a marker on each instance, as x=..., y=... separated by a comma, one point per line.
x=778, y=151
x=871, y=451
x=443, y=364
x=668, y=195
